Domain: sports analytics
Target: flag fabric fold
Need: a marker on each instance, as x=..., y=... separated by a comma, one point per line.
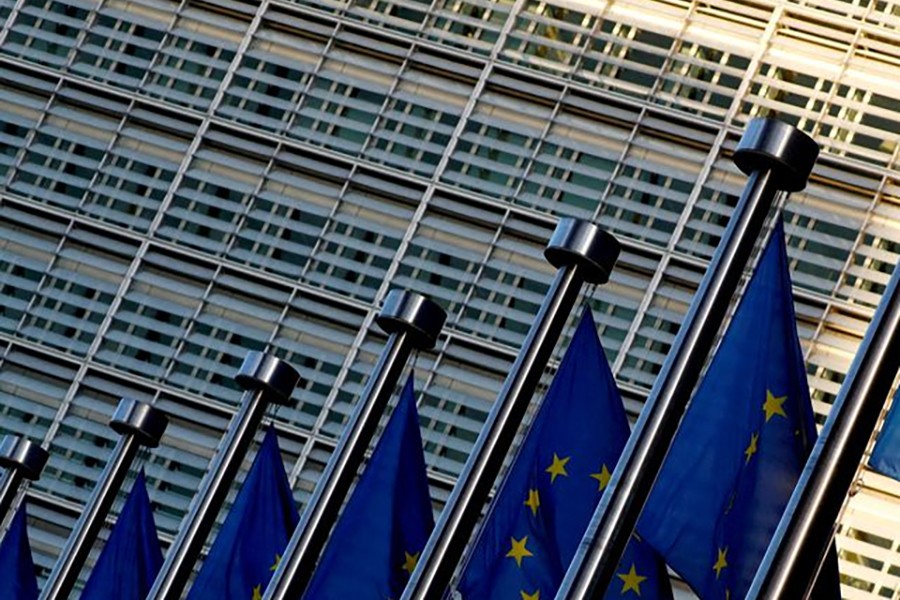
x=547, y=498
x=256, y=531
x=17, y=577
x=886, y=454
x=131, y=558
x=741, y=445
x=375, y=544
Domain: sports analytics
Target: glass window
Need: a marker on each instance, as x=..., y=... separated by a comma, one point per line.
x=122, y=41
x=316, y=336
x=20, y=111
x=344, y=100
x=422, y=113
x=28, y=242
x=238, y=315
x=46, y=31
x=32, y=385
x=274, y=72
x=499, y=138
x=66, y=150
x=289, y=214
x=154, y=315
x=362, y=237
x=445, y=253
x=138, y=169
x=195, y=57
x=212, y=196
x=473, y=25
x=511, y=284
x=651, y=188
x=77, y=290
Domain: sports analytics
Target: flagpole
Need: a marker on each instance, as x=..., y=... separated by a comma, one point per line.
x=22, y=459
x=138, y=424
x=265, y=379
x=777, y=157
x=583, y=253
x=413, y=322
x=797, y=550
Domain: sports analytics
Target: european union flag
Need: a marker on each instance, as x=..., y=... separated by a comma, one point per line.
x=17, y=579
x=741, y=445
x=551, y=490
x=255, y=533
x=131, y=557
x=379, y=537
x=886, y=454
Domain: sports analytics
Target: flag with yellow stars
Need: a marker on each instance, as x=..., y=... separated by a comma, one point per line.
x=255, y=533
x=551, y=490
x=886, y=454
x=131, y=558
x=18, y=581
x=741, y=445
x=375, y=544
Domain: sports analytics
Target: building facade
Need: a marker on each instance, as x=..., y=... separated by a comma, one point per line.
x=183, y=181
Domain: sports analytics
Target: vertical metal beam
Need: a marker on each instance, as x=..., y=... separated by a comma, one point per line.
x=777, y=157
x=266, y=379
x=804, y=534
x=139, y=424
x=22, y=459
x=413, y=322
x=583, y=253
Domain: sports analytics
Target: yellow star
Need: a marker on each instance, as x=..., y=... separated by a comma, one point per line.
x=257, y=592
x=558, y=467
x=276, y=563
x=631, y=581
x=603, y=477
x=721, y=561
x=533, y=502
x=773, y=405
x=409, y=564
x=751, y=449
x=535, y=596
x=518, y=550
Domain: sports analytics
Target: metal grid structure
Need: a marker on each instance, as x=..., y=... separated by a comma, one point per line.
x=183, y=181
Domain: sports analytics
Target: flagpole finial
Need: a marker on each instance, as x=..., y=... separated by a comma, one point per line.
x=772, y=145
x=265, y=372
x=141, y=420
x=414, y=314
x=23, y=455
x=577, y=242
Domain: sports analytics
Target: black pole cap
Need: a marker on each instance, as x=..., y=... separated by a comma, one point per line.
x=146, y=423
x=577, y=242
x=261, y=371
x=23, y=455
x=408, y=312
x=771, y=145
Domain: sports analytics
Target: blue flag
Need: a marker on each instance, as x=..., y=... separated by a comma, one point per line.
x=886, y=454
x=255, y=533
x=550, y=492
x=741, y=445
x=17, y=579
x=131, y=557
x=379, y=537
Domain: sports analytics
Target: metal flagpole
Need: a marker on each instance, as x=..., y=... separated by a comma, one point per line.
x=22, y=459
x=413, y=322
x=265, y=379
x=804, y=534
x=777, y=157
x=583, y=253
x=139, y=424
